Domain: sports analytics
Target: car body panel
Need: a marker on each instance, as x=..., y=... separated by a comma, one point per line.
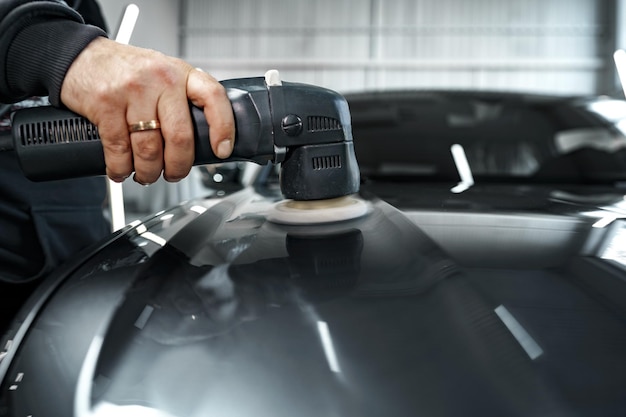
x=209, y=308
x=505, y=297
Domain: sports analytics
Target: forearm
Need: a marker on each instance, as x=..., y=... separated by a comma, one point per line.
x=38, y=42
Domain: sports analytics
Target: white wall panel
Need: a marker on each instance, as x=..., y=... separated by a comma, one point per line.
x=161, y=36
x=536, y=45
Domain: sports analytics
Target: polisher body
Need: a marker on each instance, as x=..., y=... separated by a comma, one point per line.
x=304, y=128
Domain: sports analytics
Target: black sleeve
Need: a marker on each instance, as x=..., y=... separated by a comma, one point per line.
x=91, y=12
x=38, y=42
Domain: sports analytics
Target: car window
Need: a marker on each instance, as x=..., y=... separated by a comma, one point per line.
x=506, y=137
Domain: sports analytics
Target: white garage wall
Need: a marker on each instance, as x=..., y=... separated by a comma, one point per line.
x=537, y=45
x=157, y=25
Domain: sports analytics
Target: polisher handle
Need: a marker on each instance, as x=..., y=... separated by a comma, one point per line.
x=54, y=144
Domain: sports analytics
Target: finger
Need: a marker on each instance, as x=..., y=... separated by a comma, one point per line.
x=147, y=147
x=205, y=92
x=116, y=146
x=177, y=132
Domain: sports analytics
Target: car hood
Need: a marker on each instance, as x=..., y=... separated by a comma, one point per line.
x=493, y=301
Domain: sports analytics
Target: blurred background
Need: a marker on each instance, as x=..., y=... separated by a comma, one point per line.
x=543, y=46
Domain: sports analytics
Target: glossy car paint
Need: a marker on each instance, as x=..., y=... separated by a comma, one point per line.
x=489, y=302
x=504, y=299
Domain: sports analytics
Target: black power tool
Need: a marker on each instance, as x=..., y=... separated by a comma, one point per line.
x=305, y=128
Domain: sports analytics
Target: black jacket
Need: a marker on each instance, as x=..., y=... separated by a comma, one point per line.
x=38, y=42
x=43, y=224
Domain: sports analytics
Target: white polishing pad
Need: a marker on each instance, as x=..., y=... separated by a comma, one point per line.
x=317, y=211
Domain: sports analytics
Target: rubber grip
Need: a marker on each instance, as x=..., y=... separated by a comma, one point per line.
x=54, y=144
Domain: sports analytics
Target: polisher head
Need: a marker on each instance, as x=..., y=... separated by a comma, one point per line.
x=292, y=212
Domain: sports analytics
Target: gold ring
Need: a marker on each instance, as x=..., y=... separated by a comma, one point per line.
x=140, y=126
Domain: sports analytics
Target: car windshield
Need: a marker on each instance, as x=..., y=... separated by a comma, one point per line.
x=503, y=136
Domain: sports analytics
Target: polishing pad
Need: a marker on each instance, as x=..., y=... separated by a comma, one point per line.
x=317, y=211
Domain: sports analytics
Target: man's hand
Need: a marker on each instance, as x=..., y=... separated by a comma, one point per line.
x=115, y=85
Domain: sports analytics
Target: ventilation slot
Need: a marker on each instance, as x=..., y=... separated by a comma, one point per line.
x=323, y=124
x=331, y=263
x=58, y=131
x=327, y=162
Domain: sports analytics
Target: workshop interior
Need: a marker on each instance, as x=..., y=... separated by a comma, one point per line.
x=555, y=47
x=424, y=215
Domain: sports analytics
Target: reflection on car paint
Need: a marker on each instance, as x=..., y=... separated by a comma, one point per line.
x=493, y=301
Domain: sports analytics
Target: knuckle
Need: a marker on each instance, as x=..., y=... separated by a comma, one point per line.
x=118, y=147
x=179, y=140
x=106, y=96
x=165, y=69
x=148, y=150
x=113, y=142
x=100, y=94
x=216, y=91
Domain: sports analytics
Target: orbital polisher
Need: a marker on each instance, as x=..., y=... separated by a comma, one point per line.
x=304, y=128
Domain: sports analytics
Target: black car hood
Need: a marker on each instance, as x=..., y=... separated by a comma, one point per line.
x=490, y=302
